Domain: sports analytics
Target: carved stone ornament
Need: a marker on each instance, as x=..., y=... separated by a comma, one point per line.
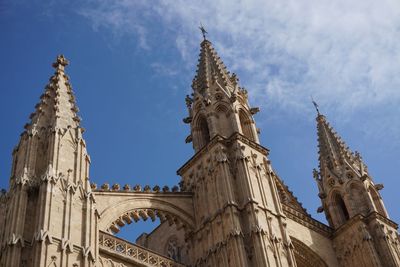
x=220, y=155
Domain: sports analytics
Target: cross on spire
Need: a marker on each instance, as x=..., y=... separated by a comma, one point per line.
x=315, y=105
x=60, y=62
x=203, y=31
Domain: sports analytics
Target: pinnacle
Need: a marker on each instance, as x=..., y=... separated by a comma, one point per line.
x=211, y=69
x=57, y=107
x=333, y=151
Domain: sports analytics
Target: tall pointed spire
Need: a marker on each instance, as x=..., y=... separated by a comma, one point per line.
x=332, y=149
x=212, y=70
x=57, y=108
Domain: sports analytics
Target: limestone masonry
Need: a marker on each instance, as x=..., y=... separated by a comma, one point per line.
x=230, y=208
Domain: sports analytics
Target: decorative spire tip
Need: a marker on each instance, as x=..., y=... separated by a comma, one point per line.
x=315, y=105
x=60, y=62
x=203, y=31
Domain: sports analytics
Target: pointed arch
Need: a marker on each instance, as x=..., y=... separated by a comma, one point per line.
x=117, y=209
x=305, y=256
x=340, y=212
x=377, y=201
x=223, y=120
x=202, y=130
x=246, y=125
x=359, y=199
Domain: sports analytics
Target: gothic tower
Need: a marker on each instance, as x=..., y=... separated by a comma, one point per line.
x=49, y=210
x=238, y=215
x=363, y=233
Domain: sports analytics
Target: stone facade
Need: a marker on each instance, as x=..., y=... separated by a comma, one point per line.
x=230, y=209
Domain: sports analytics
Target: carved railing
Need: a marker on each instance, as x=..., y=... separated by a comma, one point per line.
x=136, y=253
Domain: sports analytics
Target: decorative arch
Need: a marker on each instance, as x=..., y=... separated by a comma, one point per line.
x=202, y=131
x=118, y=209
x=359, y=200
x=305, y=256
x=223, y=120
x=377, y=201
x=340, y=212
x=246, y=125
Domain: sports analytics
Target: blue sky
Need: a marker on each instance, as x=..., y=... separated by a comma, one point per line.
x=132, y=62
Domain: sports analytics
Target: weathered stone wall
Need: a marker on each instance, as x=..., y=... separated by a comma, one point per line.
x=167, y=240
x=320, y=243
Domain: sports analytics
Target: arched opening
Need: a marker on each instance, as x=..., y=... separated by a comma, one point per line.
x=158, y=215
x=203, y=136
x=377, y=201
x=223, y=121
x=246, y=125
x=305, y=256
x=340, y=209
x=359, y=199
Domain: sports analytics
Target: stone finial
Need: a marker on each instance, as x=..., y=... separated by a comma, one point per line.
x=165, y=188
x=116, y=187
x=127, y=187
x=93, y=186
x=156, y=189
x=147, y=188
x=137, y=188
x=60, y=62
x=105, y=186
x=175, y=188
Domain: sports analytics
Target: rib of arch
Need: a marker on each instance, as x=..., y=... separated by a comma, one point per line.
x=305, y=256
x=119, y=208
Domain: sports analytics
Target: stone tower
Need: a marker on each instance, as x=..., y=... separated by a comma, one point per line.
x=363, y=234
x=49, y=217
x=238, y=214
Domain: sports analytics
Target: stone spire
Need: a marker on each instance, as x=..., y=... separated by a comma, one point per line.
x=57, y=108
x=212, y=70
x=55, y=115
x=333, y=152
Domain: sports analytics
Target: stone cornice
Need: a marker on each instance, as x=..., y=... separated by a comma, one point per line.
x=376, y=215
x=307, y=221
x=371, y=216
x=147, y=194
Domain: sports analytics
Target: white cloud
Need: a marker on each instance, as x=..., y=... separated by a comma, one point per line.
x=344, y=53
x=162, y=69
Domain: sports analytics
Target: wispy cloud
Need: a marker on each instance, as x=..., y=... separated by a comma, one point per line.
x=344, y=53
x=162, y=69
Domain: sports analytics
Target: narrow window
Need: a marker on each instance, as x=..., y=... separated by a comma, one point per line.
x=377, y=202
x=245, y=124
x=341, y=210
x=204, y=133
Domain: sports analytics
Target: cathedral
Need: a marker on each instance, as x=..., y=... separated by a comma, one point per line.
x=230, y=208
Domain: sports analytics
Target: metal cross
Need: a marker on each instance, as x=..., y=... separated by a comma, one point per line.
x=315, y=105
x=203, y=31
